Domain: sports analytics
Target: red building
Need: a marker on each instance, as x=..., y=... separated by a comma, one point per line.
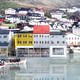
x=41, y=29
x=2, y=18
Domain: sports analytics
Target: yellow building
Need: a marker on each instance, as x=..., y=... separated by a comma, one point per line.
x=23, y=39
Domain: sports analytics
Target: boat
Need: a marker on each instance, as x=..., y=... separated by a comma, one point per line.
x=76, y=50
x=15, y=61
x=2, y=64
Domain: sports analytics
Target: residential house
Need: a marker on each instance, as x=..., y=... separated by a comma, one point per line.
x=57, y=15
x=72, y=39
x=58, y=46
x=13, y=19
x=10, y=11
x=2, y=18
x=4, y=42
x=76, y=30
x=73, y=9
x=23, y=10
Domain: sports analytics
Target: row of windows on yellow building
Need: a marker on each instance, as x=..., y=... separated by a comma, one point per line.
x=23, y=39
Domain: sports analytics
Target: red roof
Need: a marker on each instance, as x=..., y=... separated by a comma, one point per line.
x=41, y=29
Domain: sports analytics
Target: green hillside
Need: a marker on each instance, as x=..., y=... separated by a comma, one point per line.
x=4, y=5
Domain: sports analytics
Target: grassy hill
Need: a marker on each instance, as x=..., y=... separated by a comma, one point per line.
x=4, y=5
x=39, y=3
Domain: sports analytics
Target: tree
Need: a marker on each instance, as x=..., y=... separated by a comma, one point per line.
x=47, y=14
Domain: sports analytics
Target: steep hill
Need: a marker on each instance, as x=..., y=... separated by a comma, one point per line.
x=50, y=3
x=45, y=3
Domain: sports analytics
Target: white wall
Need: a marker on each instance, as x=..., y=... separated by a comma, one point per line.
x=10, y=11
x=72, y=39
x=52, y=54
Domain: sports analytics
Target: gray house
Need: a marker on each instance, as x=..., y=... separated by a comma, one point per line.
x=4, y=42
x=57, y=44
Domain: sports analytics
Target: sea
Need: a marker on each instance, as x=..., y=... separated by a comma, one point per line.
x=44, y=68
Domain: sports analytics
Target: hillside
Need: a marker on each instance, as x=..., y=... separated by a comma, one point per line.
x=44, y=3
x=50, y=3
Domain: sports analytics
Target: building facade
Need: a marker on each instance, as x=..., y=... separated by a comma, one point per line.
x=4, y=42
x=58, y=46
x=23, y=41
x=41, y=43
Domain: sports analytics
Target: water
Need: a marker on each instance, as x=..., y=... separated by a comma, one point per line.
x=43, y=69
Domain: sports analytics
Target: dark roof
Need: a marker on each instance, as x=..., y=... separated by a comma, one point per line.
x=57, y=33
x=4, y=31
x=24, y=9
x=24, y=32
x=4, y=44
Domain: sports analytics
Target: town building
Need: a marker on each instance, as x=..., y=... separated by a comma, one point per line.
x=4, y=43
x=58, y=46
x=41, y=42
x=10, y=11
x=2, y=18
x=72, y=39
x=23, y=41
x=12, y=19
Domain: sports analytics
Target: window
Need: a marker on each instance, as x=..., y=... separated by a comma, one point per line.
x=63, y=42
x=48, y=36
x=19, y=35
x=19, y=42
x=52, y=42
x=30, y=36
x=35, y=42
x=48, y=42
x=63, y=36
x=35, y=35
x=30, y=42
x=39, y=35
x=52, y=36
x=78, y=38
x=40, y=42
x=69, y=38
x=42, y=36
x=25, y=35
x=5, y=36
x=24, y=42
x=5, y=41
x=57, y=42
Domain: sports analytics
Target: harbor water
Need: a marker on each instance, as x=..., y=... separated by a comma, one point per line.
x=44, y=69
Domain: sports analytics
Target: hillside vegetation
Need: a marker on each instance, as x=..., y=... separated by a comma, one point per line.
x=39, y=3
x=4, y=5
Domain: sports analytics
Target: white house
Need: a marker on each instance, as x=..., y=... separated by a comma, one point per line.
x=76, y=30
x=56, y=15
x=22, y=12
x=12, y=19
x=39, y=12
x=72, y=39
x=73, y=9
x=58, y=46
x=10, y=11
